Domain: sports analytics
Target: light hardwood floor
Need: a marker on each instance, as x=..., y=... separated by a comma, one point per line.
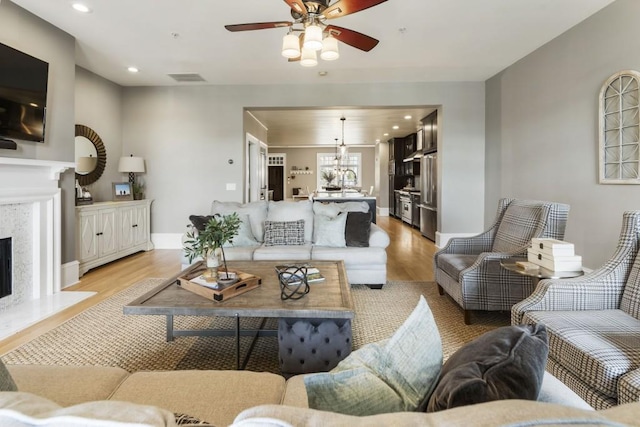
x=409, y=258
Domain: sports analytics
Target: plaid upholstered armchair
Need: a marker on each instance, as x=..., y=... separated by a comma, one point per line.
x=468, y=269
x=593, y=324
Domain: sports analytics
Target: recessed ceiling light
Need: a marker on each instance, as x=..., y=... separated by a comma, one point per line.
x=385, y=134
x=81, y=7
x=396, y=127
x=407, y=117
x=322, y=73
x=132, y=69
x=377, y=140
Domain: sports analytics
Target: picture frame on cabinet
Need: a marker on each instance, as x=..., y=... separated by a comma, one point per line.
x=122, y=191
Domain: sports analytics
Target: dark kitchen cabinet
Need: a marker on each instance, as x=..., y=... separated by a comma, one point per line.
x=430, y=132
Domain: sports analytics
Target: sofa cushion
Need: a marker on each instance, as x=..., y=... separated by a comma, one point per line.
x=330, y=231
x=519, y=224
x=281, y=233
x=506, y=363
x=293, y=211
x=330, y=209
x=26, y=409
x=631, y=296
x=357, y=229
x=453, y=264
x=283, y=253
x=68, y=385
x=393, y=375
x=350, y=256
x=257, y=212
x=244, y=237
x=597, y=346
x=6, y=381
x=214, y=396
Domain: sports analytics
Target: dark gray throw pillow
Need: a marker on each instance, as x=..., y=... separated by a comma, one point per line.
x=356, y=232
x=200, y=221
x=506, y=363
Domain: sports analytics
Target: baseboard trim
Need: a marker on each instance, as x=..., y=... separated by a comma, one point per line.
x=167, y=240
x=69, y=274
x=382, y=211
x=443, y=238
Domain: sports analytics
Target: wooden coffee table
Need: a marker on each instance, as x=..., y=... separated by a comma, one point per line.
x=330, y=299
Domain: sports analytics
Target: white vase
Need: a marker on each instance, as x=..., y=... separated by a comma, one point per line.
x=213, y=262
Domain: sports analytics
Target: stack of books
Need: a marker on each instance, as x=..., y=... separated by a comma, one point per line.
x=293, y=275
x=554, y=255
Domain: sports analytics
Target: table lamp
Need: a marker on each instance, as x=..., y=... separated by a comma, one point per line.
x=131, y=165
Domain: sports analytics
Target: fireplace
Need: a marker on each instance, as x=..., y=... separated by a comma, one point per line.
x=5, y=267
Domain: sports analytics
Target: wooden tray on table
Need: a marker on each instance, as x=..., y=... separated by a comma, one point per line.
x=194, y=283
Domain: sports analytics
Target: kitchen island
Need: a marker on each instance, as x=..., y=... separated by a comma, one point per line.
x=347, y=196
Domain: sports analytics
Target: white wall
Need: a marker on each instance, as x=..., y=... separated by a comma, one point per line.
x=188, y=133
x=28, y=33
x=542, y=128
x=99, y=106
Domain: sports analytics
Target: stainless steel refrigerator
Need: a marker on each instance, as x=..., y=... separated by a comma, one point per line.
x=429, y=195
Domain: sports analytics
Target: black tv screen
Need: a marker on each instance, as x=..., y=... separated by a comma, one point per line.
x=23, y=95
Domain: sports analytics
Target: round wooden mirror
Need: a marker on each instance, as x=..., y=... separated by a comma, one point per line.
x=89, y=145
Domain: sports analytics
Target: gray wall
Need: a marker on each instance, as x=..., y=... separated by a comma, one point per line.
x=542, y=128
x=99, y=106
x=187, y=133
x=28, y=33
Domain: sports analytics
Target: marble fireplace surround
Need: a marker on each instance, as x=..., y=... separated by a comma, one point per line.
x=29, y=189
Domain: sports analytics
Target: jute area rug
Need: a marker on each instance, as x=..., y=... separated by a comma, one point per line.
x=102, y=335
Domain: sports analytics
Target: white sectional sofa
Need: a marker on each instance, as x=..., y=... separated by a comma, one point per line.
x=327, y=228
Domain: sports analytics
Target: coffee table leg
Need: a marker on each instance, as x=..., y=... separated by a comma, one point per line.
x=169, y=327
x=237, y=342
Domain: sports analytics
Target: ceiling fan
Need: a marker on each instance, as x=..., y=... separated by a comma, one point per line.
x=308, y=19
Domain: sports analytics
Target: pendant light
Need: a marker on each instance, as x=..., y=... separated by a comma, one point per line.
x=309, y=58
x=330, y=49
x=312, y=37
x=290, y=46
x=343, y=147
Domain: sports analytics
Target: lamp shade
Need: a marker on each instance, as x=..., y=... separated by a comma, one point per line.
x=330, y=49
x=313, y=37
x=309, y=58
x=131, y=164
x=290, y=46
x=86, y=164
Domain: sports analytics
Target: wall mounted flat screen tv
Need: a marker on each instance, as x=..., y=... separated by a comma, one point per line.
x=23, y=95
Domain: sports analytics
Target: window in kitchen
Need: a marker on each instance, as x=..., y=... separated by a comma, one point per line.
x=620, y=129
x=331, y=171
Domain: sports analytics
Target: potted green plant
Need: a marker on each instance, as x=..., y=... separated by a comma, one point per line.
x=209, y=242
x=138, y=191
x=328, y=176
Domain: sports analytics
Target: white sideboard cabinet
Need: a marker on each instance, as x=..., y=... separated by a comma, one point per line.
x=107, y=231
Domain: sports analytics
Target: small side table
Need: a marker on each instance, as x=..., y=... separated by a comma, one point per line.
x=537, y=273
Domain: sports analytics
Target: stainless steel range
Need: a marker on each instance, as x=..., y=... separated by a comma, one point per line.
x=406, y=208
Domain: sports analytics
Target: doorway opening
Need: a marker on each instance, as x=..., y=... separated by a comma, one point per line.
x=277, y=163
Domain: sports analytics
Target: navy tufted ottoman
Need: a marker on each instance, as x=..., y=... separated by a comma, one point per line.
x=312, y=345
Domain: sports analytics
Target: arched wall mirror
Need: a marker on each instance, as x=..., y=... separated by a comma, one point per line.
x=91, y=156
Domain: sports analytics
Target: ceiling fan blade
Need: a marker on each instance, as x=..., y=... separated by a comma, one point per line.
x=258, y=26
x=297, y=6
x=346, y=7
x=352, y=38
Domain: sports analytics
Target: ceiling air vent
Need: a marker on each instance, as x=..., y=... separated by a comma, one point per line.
x=186, y=77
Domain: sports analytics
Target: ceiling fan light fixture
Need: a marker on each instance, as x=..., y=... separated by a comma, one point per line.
x=313, y=37
x=290, y=46
x=330, y=49
x=309, y=58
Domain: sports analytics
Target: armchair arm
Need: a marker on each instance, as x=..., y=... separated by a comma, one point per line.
x=629, y=387
x=579, y=293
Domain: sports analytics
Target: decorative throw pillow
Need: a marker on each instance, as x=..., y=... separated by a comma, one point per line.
x=280, y=233
x=506, y=363
x=285, y=210
x=245, y=236
x=200, y=221
x=257, y=212
x=188, y=420
x=6, y=381
x=357, y=229
x=329, y=231
x=392, y=375
x=330, y=209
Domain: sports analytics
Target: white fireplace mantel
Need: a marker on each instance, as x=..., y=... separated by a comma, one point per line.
x=35, y=184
